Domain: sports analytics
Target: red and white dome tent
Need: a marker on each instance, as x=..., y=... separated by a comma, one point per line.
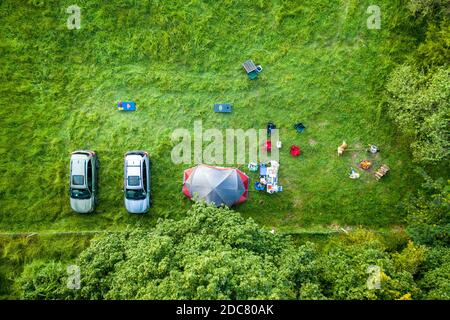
x=217, y=185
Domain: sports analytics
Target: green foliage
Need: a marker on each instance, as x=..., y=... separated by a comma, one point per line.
x=410, y=258
x=346, y=266
x=213, y=253
x=41, y=280
x=17, y=252
x=435, y=277
x=435, y=50
x=210, y=254
x=420, y=106
x=429, y=213
x=428, y=9
x=419, y=91
x=311, y=291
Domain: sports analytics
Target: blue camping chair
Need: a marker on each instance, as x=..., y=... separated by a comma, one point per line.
x=251, y=69
x=299, y=127
x=270, y=126
x=259, y=186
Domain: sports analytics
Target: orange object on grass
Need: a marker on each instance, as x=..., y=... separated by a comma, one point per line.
x=365, y=164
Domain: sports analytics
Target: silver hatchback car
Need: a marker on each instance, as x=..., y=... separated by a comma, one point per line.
x=83, y=187
x=137, y=181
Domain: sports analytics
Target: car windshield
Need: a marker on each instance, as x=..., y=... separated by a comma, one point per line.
x=80, y=193
x=77, y=180
x=134, y=181
x=135, y=194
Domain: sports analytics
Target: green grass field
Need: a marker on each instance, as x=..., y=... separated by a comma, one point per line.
x=322, y=67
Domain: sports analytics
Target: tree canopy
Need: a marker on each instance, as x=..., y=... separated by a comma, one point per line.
x=419, y=104
x=214, y=253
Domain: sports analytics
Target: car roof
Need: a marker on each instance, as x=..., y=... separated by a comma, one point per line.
x=133, y=165
x=133, y=161
x=77, y=155
x=78, y=164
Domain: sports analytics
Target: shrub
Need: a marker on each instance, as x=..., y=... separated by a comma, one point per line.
x=419, y=104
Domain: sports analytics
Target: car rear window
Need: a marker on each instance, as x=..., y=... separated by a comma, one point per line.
x=134, y=181
x=78, y=180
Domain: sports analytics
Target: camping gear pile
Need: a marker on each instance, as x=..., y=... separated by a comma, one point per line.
x=294, y=150
x=216, y=185
x=268, y=177
x=365, y=164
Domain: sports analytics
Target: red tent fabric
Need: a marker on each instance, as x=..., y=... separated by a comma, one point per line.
x=186, y=175
x=295, y=151
x=244, y=179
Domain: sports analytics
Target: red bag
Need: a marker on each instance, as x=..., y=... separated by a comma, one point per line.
x=269, y=145
x=295, y=151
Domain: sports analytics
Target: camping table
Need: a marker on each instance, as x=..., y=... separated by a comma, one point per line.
x=126, y=106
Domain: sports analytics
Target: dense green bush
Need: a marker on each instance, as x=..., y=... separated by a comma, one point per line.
x=435, y=279
x=15, y=252
x=44, y=280
x=418, y=92
x=429, y=213
x=211, y=254
x=419, y=103
x=435, y=50
x=216, y=254
x=430, y=9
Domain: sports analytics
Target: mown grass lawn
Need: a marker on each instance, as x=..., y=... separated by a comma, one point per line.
x=322, y=66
